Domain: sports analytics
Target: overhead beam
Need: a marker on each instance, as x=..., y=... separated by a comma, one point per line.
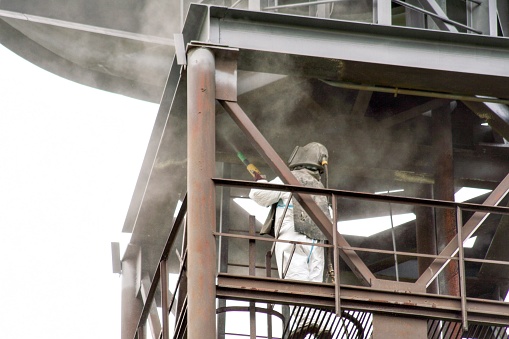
x=339, y=40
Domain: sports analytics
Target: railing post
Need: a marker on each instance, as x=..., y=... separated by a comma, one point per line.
x=461, y=264
x=201, y=268
x=164, y=299
x=337, y=276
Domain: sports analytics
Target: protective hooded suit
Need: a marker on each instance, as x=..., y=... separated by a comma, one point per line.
x=307, y=262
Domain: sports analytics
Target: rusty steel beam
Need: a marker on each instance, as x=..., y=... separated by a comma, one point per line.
x=395, y=302
x=468, y=229
x=443, y=189
x=201, y=267
x=281, y=169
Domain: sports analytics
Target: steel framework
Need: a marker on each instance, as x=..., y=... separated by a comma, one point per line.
x=215, y=43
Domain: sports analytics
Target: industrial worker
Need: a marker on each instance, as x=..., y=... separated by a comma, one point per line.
x=307, y=164
x=307, y=263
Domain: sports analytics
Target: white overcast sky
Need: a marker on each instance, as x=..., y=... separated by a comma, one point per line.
x=70, y=157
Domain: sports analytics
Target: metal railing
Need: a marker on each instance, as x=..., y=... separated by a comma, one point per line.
x=411, y=7
x=168, y=305
x=440, y=261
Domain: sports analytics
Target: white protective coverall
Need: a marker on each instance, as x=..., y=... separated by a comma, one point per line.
x=307, y=262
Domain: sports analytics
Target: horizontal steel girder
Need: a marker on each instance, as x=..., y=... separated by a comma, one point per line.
x=396, y=302
x=358, y=52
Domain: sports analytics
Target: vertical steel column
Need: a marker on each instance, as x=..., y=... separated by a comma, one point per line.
x=461, y=263
x=425, y=233
x=252, y=271
x=201, y=265
x=131, y=306
x=382, y=12
x=444, y=190
x=337, y=277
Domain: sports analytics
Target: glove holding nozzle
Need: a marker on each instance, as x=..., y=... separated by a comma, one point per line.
x=255, y=172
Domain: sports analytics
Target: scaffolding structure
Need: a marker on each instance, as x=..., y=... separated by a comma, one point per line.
x=193, y=275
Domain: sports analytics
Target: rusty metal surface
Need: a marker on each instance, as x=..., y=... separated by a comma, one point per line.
x=396, y=302
x=201, y=268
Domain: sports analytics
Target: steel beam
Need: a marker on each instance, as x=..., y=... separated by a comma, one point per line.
x=132, y=306
x=398, y=302
x=201, y=267
x=443, y=189
x=412, y=52
x=156, y=139
x=497, y=116
x=282, y=170
x=503, y=16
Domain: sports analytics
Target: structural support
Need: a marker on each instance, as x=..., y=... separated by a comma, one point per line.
x=391, y=302
x=425, y=233
x=445, y=220
x=382, y=13
x=131, y=305
x=202, y=261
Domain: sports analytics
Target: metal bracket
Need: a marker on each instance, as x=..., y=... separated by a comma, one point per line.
x=225, y=71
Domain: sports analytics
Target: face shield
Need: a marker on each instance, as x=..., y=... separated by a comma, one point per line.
x=312, y=156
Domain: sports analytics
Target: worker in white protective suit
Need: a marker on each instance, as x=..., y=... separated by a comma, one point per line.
x=307, y=263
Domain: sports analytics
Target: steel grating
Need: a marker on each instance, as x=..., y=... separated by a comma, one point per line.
x=319, y=323
x=438, y=329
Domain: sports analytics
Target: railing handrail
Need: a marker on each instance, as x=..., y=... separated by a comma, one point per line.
x=164, y=256
x=364, y=195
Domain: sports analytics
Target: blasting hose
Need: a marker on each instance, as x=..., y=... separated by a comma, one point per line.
x=255, y=172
